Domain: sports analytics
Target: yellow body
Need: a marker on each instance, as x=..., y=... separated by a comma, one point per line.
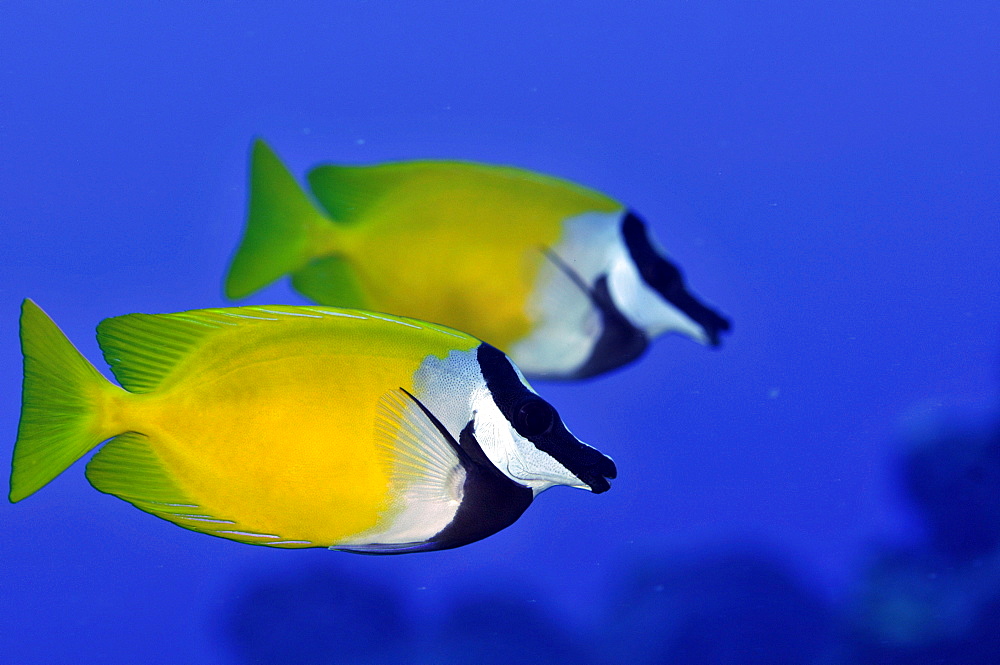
x=451, y=242
x=458, y=244
x=256, y=424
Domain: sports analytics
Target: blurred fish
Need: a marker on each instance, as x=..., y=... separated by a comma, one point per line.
x=565, y=279
x=297, y=427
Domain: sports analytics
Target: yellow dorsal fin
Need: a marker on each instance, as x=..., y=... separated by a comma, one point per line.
x=142, y=349
x=347, y=192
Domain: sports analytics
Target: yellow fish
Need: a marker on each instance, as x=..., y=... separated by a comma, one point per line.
x=565, y=279
x=297, y=427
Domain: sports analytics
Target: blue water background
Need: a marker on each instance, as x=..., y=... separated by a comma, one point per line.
x=827, y=174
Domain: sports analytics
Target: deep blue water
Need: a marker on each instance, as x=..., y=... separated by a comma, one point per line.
x=823, y=489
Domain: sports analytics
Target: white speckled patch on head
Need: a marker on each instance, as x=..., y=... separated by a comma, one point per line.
x=447, y=387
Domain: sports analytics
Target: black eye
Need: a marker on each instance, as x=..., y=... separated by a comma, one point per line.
x=534, y=417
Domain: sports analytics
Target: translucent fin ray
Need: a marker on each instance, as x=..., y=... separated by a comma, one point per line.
x=425, y=461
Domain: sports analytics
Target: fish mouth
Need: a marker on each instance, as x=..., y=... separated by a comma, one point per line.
x=711, y=322
x=597, y=477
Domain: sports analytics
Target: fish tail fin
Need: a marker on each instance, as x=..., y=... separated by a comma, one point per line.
x=282, y=226
x=61, y=415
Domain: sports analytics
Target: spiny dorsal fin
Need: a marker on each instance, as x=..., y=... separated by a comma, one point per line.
x=142, y=349
x=347, y=192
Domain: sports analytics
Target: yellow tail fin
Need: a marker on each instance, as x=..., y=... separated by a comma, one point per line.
x=60, y=419
x=282, y=222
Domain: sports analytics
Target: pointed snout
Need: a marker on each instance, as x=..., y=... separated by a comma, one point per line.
x=596, y=470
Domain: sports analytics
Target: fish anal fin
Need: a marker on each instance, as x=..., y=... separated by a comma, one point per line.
x=127, y=467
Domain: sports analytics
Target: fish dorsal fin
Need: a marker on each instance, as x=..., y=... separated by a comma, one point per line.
x=346, y=192
x=426, y=458
x=142, y=349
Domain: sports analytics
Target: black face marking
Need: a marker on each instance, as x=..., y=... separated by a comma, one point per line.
x=490, y=500
x=666, y=279
x=619, y=343
x=509, y=394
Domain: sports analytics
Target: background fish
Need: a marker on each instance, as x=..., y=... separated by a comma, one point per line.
x=564, y=278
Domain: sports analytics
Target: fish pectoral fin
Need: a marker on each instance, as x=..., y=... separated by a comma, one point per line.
x=565, y=269
x=426, y=459
x=329, y=281
x=127, y=467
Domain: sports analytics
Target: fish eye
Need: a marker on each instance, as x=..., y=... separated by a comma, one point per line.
x=534, y=417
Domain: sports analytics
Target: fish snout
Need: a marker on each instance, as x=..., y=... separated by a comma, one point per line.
x=597, y=471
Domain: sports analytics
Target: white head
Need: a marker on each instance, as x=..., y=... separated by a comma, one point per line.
x=490, y=409
x=649, y=290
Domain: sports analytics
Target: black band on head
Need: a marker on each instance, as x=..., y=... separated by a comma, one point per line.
x=666, y=279
x=509, y=394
